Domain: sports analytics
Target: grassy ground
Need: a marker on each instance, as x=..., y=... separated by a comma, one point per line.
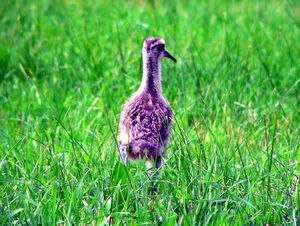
x=66, y=68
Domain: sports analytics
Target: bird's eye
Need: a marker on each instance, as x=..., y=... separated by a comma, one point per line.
x=160, y=47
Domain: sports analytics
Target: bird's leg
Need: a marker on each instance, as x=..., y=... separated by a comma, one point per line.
x=149, y=166
x=155, y=173
x=158, y=163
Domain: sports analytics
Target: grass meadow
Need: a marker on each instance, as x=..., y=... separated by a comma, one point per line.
x=67, y=67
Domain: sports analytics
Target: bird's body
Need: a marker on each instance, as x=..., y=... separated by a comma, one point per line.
x=146, y=118
x=144, y=126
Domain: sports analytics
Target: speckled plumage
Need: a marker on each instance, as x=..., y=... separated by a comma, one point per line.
x=146, y=118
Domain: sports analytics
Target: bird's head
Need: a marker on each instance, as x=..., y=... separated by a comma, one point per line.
x=155, y=48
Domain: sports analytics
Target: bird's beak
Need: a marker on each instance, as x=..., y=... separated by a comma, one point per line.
x=167, y=54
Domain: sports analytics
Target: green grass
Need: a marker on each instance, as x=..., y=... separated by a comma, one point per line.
x=66, y=68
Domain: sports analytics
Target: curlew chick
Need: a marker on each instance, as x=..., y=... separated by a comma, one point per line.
x=146, y=118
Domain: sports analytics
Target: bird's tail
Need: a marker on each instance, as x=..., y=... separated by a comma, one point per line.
x=142, y=148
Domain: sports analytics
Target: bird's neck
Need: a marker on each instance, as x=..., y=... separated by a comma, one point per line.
x=151, y=74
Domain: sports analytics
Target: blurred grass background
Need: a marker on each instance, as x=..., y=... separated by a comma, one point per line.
x=66, y=68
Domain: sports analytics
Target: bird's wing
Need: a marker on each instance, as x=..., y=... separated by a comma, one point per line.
x=123, y=153
x=149, y=123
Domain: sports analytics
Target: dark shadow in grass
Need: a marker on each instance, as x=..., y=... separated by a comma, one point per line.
x=4, y=62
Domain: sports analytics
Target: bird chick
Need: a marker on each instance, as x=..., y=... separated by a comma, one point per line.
x=146, y=118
